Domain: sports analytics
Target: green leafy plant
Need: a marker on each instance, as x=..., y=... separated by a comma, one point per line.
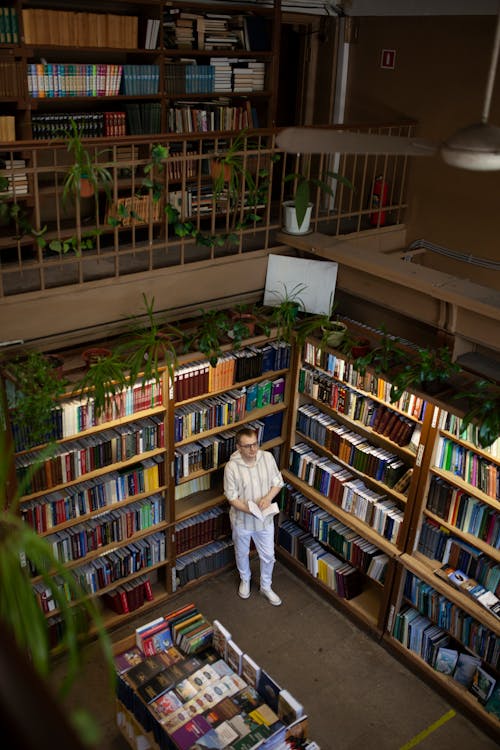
x=384, y=357
x=105, y=377
x=304, y=184
x=12, y=211
x=153, y=171
x=212, y=330
x=22, y=553
x=331, y=330
x=429, y=371
x=33, y=387
x=150, y=346
x=86, y=241
x=84, y=168
x=285, y=314
x=483, y=411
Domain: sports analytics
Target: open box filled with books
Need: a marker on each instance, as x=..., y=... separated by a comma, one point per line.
x=183, y=683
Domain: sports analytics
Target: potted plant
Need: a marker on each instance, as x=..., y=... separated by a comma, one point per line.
x=297, y=211
x=483, y=411
x=211, y=331
x=385, y=356
x=332, y=330
x=354, y=346
x=105, y=377
x=285, y=314
x=428, y=371
x=33, y=384
x=149, y=347
x=84, y=176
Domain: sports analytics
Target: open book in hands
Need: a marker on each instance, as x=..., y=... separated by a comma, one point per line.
x=258, y=513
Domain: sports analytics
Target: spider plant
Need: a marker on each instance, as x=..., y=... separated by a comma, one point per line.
x=105, y=377
x=285, y=313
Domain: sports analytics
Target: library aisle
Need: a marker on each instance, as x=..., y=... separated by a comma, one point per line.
x=355, y=693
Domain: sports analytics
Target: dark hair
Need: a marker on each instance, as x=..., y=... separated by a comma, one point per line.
x=245, y=432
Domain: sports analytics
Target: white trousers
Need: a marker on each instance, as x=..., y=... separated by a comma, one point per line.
x=264, y=544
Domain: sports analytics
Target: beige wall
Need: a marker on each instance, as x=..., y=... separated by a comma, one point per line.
x=439, y=79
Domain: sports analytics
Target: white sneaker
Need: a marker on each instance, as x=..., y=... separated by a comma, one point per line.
x=244, y=589
x=271, y=597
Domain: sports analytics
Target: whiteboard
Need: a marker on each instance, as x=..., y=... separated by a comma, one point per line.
x=311, y=281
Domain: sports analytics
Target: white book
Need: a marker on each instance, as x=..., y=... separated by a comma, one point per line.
x=262, y=514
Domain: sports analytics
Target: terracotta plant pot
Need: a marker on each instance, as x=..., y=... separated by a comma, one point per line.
x=360, y=349
x=94, y=354
x=248, y=319
x=86, y=188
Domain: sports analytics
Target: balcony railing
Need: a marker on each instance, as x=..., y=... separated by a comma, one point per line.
x=160, y=210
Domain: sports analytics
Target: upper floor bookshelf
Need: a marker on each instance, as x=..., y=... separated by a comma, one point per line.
x=137, y=67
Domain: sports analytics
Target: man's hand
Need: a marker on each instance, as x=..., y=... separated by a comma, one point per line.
x=264, y=502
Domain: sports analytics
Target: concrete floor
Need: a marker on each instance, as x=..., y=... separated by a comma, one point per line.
x=357, y=696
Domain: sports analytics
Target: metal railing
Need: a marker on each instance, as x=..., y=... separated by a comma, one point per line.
x=158, y=210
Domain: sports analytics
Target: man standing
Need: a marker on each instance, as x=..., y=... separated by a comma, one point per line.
x=251, y=474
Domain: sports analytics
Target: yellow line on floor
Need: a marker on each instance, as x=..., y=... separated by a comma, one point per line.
x=426, y=732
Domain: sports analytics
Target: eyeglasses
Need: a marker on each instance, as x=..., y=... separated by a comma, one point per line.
x=248, y=445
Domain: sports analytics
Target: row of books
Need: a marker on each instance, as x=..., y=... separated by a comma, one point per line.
x=352, y=495
x=350, y=447
x=202, y=561
x=79, y=29
x=201, y=529
x=332, y=533
x=121, y=563
x=74, y=459
x=453, y=424
x=471, y=588
x=431, y=643
x=215, y=31
x=54, y=80
x=204, y=117
x=93, y=495
x=458, y=508
x=218, y=411
x=184, y=697
x=89, y=124
x=9, y=25
x=129, y=596
x=337, y=574
x=225, y=408
x=361, y=408
x=144, y=118
x=438, y=543
x=212, y=452
x=195, y=485
x=78, y=414
x=198, y=378
x=345, y=371
x=474, y=469
x=221, y=75
x=463, y=627
x=12, y=79
x=108, y=528
x=140, y=80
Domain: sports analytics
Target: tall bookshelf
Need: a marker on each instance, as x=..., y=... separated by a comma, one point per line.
x=138, y=66
x=352, y=474
x=455, y=526
x=131, y=501
x=248, y=387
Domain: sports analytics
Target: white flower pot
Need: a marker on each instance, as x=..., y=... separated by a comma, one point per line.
x=290, y=219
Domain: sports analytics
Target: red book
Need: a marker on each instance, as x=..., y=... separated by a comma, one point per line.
x=148, y=590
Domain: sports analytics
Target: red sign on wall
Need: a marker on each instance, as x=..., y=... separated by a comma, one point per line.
x=388, y=59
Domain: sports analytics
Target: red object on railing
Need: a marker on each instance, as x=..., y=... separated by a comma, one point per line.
x=379, y=200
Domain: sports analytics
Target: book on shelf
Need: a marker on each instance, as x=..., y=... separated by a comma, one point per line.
x=268, y=689
x=483, y=684
x=465, y=669
x=221, y=637
x=492, y=705
x=234, y=656
x=446, y=660
x=471, y=588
